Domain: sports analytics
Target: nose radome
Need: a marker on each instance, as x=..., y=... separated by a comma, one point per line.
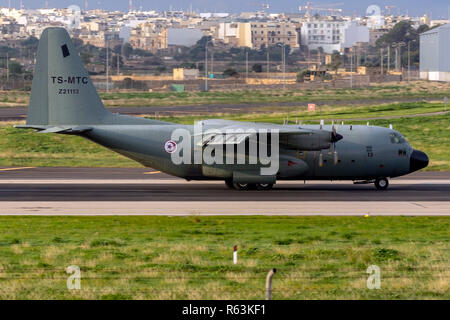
x=418, y=160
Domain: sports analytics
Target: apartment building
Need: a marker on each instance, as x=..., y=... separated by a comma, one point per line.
x=236, y=34
x=149, y=36
x=272, y=33
x=333, y=34
x=325, y=34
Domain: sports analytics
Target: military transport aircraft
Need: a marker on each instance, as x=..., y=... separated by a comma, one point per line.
x=64, y=101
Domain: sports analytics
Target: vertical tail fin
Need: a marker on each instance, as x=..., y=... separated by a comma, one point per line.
x=62, y=91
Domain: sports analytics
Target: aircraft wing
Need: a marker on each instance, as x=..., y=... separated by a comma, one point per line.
x=235, y=132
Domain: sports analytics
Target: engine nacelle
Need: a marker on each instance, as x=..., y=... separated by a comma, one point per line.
x=309, y=142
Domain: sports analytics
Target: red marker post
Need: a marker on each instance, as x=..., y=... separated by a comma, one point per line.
x=235, y=255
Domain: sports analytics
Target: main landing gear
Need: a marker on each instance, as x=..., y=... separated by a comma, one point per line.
x=381, y=183
x=248, y=186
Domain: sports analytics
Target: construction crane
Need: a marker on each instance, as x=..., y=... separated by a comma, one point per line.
x=308, y=8
x=389, y=8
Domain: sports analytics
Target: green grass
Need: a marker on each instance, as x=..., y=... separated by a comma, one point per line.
x=28, y=148
x=329, y=112
x=429, y=134
x=416, y=89
x=191, y=257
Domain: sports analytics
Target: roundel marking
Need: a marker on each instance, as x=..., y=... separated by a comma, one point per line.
x=170, y=146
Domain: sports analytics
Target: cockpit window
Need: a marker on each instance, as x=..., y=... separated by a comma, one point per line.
x=396, y=138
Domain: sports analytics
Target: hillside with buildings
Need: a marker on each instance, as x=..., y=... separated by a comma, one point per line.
x=136, y=48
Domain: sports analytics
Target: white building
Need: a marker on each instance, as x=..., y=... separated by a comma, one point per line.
x=236, y=34
x=332, y=35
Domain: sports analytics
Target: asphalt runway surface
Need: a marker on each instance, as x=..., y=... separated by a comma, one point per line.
x=145, y=191
x=20, y=113
x=95, y=184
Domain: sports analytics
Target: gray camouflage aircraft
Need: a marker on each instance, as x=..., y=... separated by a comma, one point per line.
x=64, y=101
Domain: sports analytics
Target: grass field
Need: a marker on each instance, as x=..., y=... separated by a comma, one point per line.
x=430, y=134
x=191, y=257
x=397, y=90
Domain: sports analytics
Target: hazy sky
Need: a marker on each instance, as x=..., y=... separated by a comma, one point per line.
x=435, y=8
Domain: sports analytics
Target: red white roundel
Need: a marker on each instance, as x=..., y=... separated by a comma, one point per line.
x=170, y=146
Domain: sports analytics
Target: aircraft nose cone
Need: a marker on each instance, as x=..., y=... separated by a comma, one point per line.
x=418, y=160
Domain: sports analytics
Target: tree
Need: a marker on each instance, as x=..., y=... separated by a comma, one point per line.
x=15, y=68
x=30, y=44
x=127, y=50
x=114, y=61
x=85, y=57
x=142, y=53
x=188, y=65
x=230, y=72
x=257, y=67
x=336, y=61
x=402, y=31
x=301, y=75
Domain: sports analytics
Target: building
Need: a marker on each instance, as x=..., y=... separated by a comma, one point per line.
x=149, y=36
x=237, y=34
x=272, y=33
x=434, y=54
x=325, y=34
x=333, y=34
x=101, y=39
x=185, y=74
x=375, y=34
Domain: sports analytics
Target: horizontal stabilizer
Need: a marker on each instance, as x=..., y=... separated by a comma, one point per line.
x=61, y=130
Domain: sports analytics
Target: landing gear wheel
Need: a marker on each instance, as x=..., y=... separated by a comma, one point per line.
x=381, y=183
x=244, y=186
x=229, y=183
x=264, y=186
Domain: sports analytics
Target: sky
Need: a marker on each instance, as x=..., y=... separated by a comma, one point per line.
x=437, y=9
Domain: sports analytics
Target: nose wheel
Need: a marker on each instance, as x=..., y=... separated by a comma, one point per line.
x=381, y=183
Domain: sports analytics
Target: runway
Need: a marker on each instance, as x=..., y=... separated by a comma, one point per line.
x=140, y=191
